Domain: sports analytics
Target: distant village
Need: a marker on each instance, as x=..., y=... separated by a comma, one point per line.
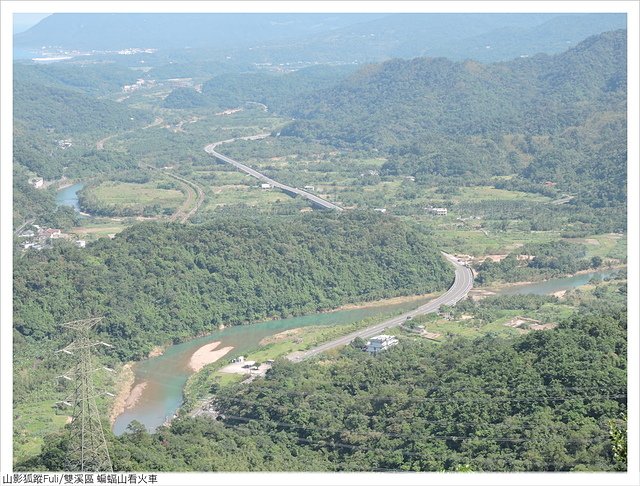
x=40, y=238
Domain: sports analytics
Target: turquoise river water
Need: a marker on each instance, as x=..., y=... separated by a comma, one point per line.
x=69, y=196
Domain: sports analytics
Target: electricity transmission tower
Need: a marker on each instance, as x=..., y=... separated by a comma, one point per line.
x=87, y=444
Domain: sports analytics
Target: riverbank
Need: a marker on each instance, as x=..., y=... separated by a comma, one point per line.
x=173, y=375
x=125, y=387
x=498, y=286
x=403, y=299
x=157, y=351
x=207, y=354
x=281, y=336
x=507, y=287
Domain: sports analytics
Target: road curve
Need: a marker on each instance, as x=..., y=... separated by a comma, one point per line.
x=461, y=286
x=318, y=201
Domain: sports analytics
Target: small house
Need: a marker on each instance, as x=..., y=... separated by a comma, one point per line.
x=438, y=211
x=309, y=188
x=265, y=186
x=37, y=182
x=380, y=343
x=49, y=232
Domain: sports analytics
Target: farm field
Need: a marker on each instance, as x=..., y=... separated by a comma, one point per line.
x=131, y=199
x=127, y=194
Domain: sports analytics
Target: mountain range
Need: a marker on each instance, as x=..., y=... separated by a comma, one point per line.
x=361, y=37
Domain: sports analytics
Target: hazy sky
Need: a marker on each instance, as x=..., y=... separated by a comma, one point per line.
x=22, y=22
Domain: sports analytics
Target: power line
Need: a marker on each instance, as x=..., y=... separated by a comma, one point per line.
x=87, y=450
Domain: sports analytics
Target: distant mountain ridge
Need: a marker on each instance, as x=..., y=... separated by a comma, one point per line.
x=325, y=37
x=176, y=30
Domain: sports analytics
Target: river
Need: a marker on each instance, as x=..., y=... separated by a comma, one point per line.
x=167, y=374
x=555, y=284
x=68, y=196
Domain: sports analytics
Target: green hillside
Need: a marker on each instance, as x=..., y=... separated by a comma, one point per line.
x=546, y=118
x=162, y=282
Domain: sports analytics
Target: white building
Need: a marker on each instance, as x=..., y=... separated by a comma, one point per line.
x=36, y=182
x=380, y=343
x=265, y=186
x=438, y=211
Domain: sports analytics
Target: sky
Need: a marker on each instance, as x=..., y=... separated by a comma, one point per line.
x=22, y=22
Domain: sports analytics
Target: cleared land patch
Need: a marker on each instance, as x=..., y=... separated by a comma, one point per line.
x=129, y=199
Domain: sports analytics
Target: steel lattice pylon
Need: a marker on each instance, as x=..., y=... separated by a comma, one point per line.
x=87, y=449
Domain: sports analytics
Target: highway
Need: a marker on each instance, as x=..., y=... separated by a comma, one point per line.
x=318, y=201
x=462, y=284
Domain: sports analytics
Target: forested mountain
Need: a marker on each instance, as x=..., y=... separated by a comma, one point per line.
x=557, y=118
x=161, y=282
x=55, y=103
x=277, y=91
x=95, y=79
x=555, y=124
x=68, y=111
x=389, y=102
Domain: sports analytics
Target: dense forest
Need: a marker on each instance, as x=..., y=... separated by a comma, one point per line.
x=279, y=92
x=55, y=104
x=68, y=111
x=95, y=79
x=161, y=282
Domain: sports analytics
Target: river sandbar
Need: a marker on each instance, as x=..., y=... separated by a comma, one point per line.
x=135, y=394
x=207, y=354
